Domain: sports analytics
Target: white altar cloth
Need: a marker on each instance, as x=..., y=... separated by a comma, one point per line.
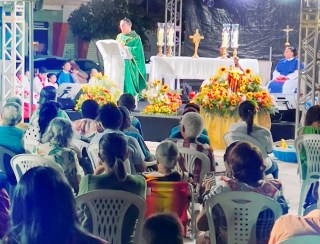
x=171, y=68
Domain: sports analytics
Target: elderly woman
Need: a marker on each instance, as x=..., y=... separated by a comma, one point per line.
x=57, y=139
x=10, y=135
x=247, y=167
x=167, y=155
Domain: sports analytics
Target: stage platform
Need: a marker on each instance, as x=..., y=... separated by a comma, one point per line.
x=157, y=128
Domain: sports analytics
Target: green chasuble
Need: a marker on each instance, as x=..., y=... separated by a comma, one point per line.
x=135, y=68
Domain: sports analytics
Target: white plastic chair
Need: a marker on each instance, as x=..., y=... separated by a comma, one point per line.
x=241, y=210
x=30, y=145
x=21, y=163
x=310, y=239
x=234, y=136
x=108, y=209
x=300, y=131
x=311, y=145
x=190, y=155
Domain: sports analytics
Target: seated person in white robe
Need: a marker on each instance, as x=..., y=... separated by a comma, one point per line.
x=285, y=75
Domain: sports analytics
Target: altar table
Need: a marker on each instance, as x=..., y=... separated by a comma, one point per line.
x=175, y=68
x=217, y=126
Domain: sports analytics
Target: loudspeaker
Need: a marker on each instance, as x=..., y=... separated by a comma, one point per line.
x=68, y=94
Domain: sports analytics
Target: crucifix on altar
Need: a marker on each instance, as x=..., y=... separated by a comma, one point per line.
x=196, y=39
x=287, y=31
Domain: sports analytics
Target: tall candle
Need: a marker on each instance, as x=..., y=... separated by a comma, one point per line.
x=170, y=37
x=160, y=37
x=235, y=39
x=225, y=39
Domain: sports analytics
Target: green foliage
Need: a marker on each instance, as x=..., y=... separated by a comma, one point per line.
x=99, y=19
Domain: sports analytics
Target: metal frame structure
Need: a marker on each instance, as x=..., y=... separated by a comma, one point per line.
x=173, y=14
x=13, y=36
x=308, y=81
x=14, y=39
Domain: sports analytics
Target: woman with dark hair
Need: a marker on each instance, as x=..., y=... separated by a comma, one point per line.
x=48, y=112
x=247, y=167
x=48, y=94
x=247, y=111
x=113, y=152
x=43, y=211
x=285, y=74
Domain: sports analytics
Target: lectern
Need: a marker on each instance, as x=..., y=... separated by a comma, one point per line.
x=113, y=55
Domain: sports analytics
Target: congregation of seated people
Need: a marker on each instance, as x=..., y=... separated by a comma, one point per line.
x=43, y=206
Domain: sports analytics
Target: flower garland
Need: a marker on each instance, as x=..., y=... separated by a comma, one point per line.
x=228, y=88
x=161, y=99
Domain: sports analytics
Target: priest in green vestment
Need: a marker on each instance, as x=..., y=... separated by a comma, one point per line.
x=135, y=68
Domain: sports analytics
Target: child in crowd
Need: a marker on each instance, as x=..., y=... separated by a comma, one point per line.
x=52, y=80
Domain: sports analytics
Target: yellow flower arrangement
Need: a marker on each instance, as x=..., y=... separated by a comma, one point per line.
x=228, y=88
x=102, y=91
x=161, y=99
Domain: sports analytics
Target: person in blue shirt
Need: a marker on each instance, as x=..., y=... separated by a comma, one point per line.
x=125, y=125
x=175, y=131
x=10, y=135
x=127, y=100
x=285, y=75
x=65, y=76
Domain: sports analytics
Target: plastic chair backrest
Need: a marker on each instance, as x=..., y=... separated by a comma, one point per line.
x=300, y=131
x=234, y=136
x=311, y=145
x=108, y=209
x=21, y=163
x=241, y=210
x=311, y=239
x=93, y=153
x=190, y=156
x=30, y=145
x=170, y=197
x=5, y=157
